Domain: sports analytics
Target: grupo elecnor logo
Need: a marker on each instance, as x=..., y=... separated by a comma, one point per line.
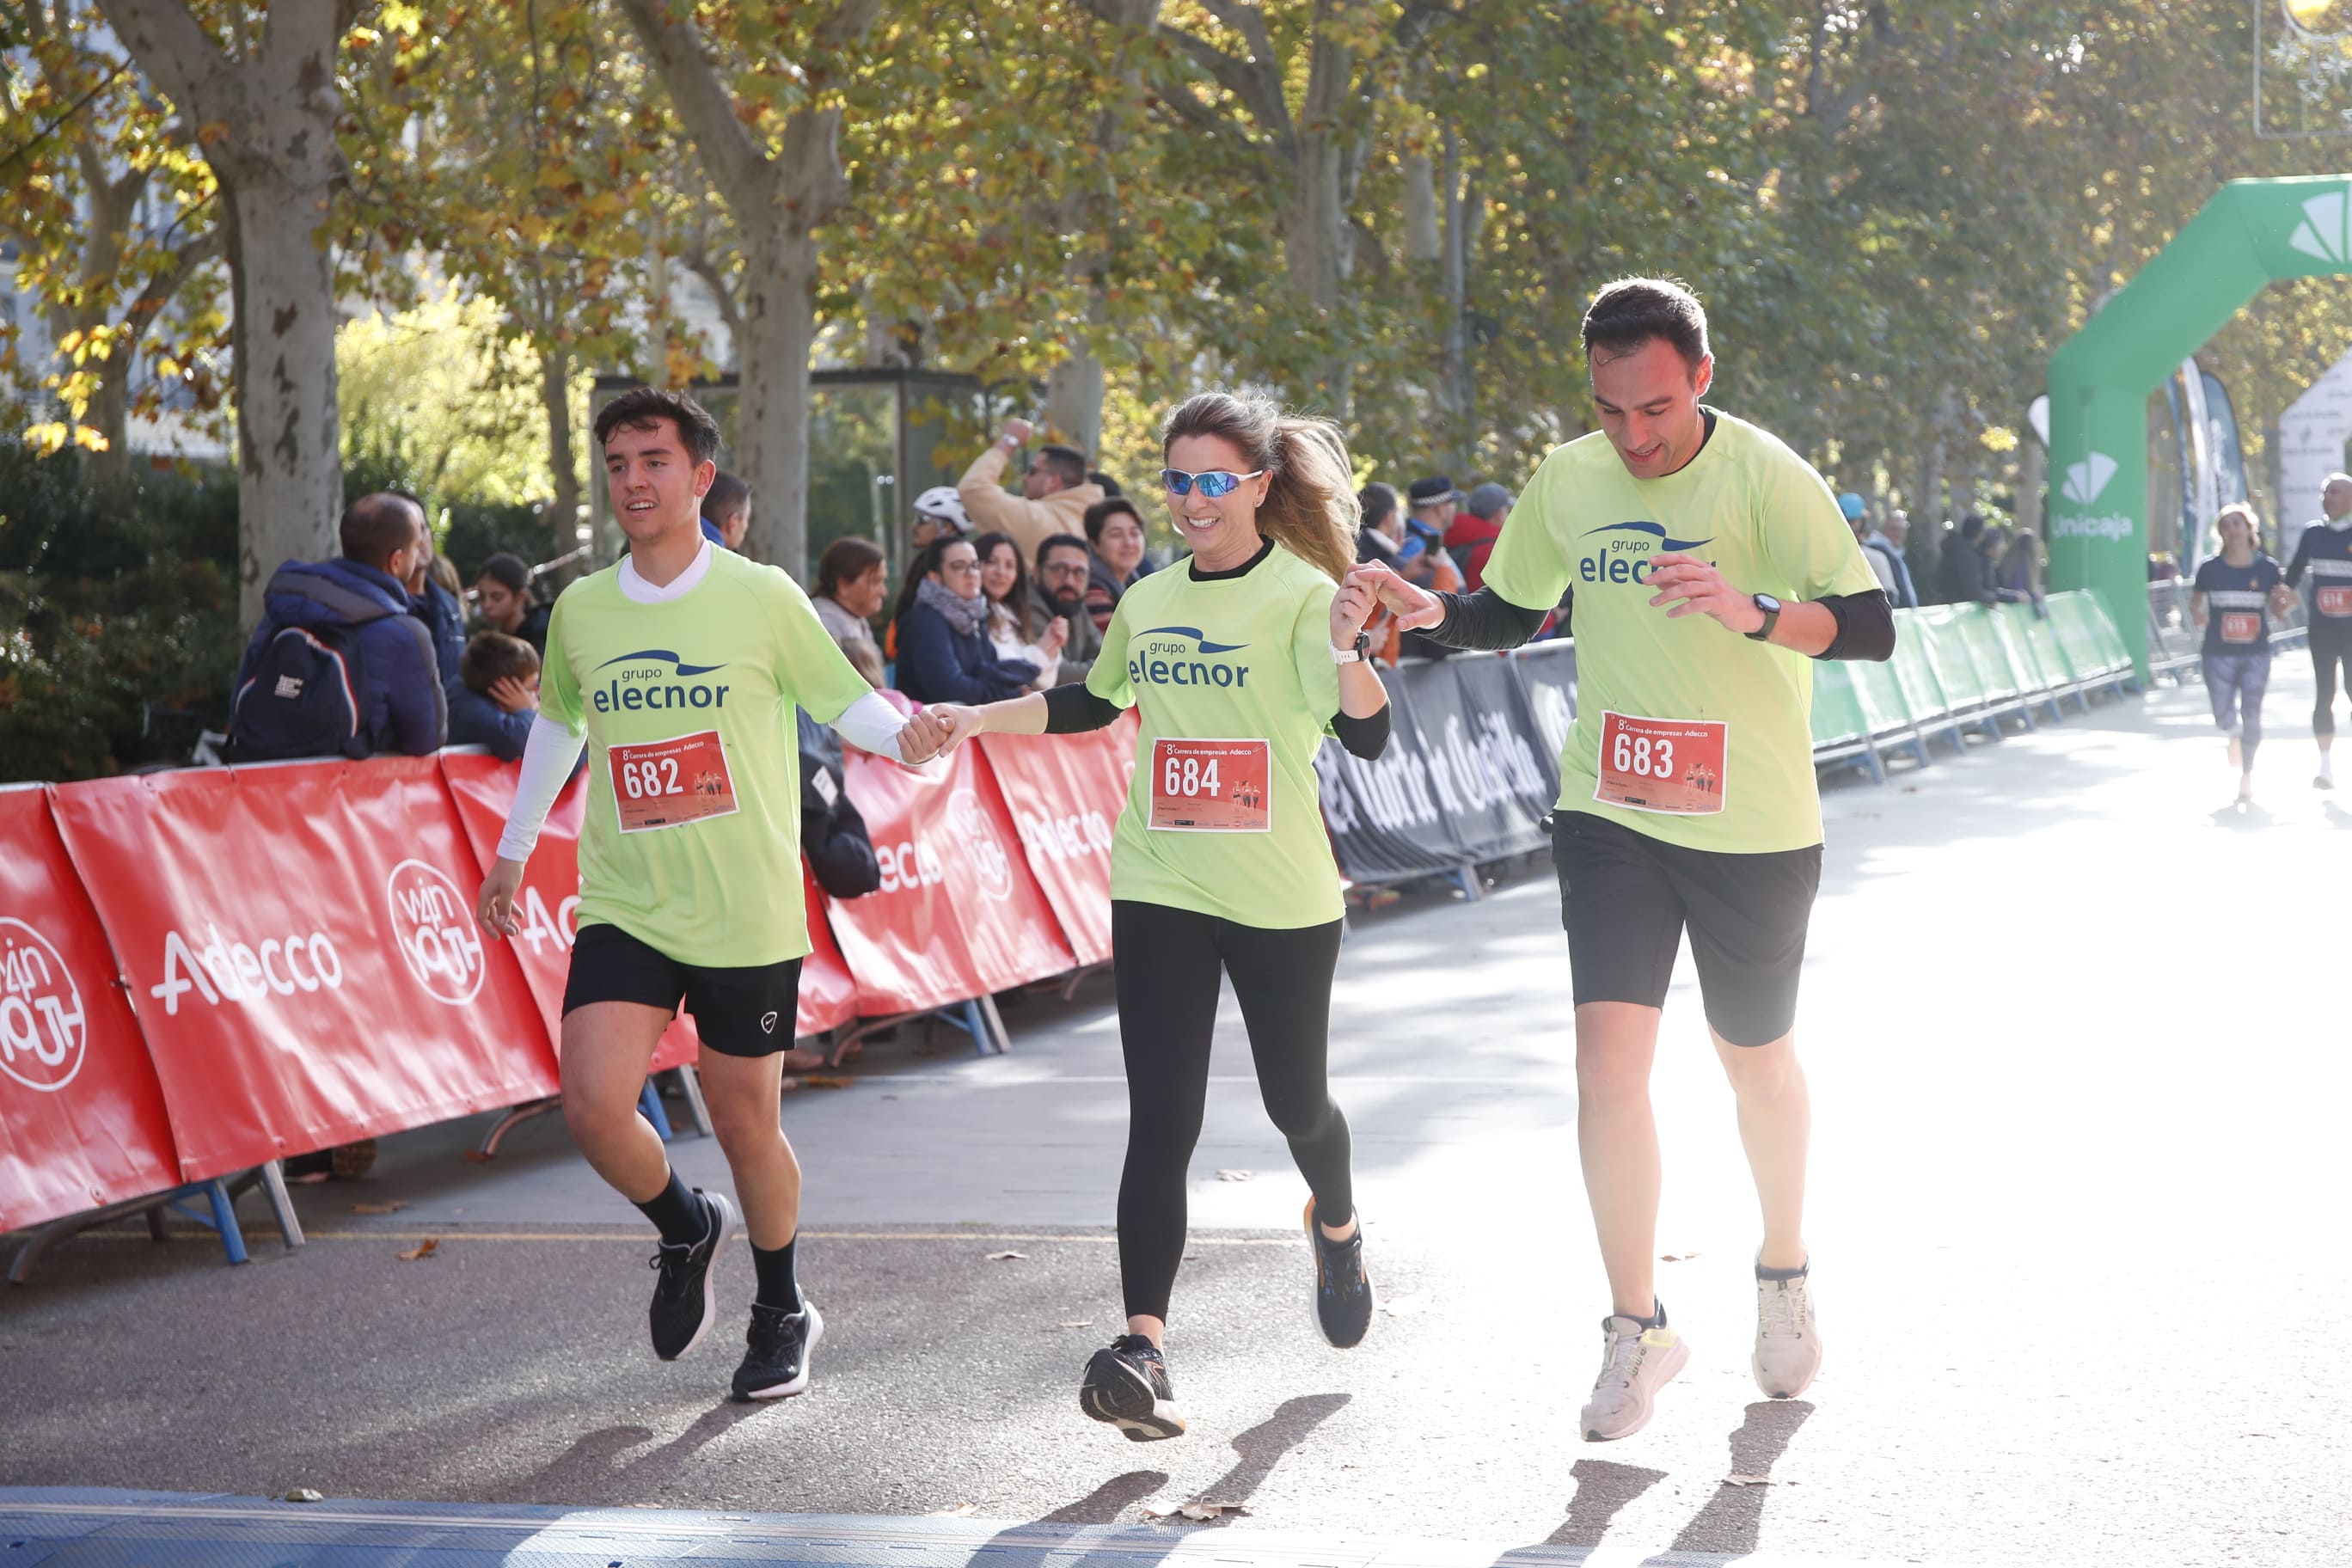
x=978, y=837
x=434, y=927
x=43, y=1029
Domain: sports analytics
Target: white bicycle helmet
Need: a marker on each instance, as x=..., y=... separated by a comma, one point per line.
x=941, y=501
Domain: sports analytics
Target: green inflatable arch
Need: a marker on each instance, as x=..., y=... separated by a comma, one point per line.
x=2251, y=232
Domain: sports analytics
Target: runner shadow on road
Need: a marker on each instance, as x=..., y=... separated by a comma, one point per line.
x=1733, y=1520
x=1603, y=1490
x=1263, y=1446
x=1106, y=1502
x=593, y=1471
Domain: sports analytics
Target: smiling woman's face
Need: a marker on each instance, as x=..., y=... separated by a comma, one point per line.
x=999, y=572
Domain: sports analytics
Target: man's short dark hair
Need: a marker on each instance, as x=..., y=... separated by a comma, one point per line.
x=493, y=657
x=644, y=407
x=1110, y=486
x=1105, y=509
x=375, y=528
x=727, y=496
x=506, y=571
x=1053, y=542
x=1631, y=311
x=1378, y=502
x=1971, y=525
x=1066, y=464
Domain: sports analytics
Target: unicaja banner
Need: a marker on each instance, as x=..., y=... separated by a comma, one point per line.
x=299, y=944
x=82, y=1122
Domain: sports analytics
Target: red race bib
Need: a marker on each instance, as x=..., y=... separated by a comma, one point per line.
x=1672, y=765
x=1211, y=787
x=2241, y=626
x=2336, y=601
x=663, y=783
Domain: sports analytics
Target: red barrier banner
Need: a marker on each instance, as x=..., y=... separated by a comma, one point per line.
x=82, y=1122
x=958, y=912
x=484, y=789
x=1065, y=793
x=301, y=952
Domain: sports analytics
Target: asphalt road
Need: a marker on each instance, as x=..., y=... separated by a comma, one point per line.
x=2075, y=1029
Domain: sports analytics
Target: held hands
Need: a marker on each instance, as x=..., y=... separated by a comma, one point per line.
x=495, y=909
x=1414, y=608
x=1701, y=590
x=936, y=731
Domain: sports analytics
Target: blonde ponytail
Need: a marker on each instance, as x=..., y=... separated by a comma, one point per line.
x=1310, y=505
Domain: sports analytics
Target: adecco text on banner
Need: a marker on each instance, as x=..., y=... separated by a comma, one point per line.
x=42, y=1027
x=233, y=970
x=1067, y=837
x=977, y=837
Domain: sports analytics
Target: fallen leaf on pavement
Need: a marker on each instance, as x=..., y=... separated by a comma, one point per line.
x=1676, y=1256
x=1235, y=1175
x=1747, y=1481
x=475, y=1157
x=1401, y=1307
x=425, y=1248
x=1081, y=1324
x=1008, y=1258
x=960, y=1511
x=394, y=1207
x=305, y=1494
x=1193, y=1511
x=819, y=1080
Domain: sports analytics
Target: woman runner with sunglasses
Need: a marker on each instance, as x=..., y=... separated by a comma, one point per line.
x=1238, y=663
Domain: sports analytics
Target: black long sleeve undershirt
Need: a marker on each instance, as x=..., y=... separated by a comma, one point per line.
x=1486, y=620
x=1072, y=709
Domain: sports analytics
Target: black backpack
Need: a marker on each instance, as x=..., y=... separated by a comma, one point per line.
x=303, y=700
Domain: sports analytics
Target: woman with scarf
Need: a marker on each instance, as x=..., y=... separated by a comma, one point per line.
x=944, y=653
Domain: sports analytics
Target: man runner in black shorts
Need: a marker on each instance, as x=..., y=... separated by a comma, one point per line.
x=1710, y=564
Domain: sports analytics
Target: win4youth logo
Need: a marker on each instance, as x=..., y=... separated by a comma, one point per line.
x=2326, y=230
x=2086, y=479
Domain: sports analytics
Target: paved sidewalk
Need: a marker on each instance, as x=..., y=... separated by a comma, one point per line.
x=2075, y=1035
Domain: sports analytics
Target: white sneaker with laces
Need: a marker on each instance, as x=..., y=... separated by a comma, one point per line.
x=1788, y=1341
x=1636, y=1364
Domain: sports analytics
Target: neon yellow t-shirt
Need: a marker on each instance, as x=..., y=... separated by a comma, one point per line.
x=1765, y=519
x=692, y=839
x=1233, y=680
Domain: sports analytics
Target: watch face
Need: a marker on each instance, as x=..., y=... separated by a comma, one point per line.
x=1768, y=603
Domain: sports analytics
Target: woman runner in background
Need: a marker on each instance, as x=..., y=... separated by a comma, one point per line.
x=2233, y=592
x=1238, y=661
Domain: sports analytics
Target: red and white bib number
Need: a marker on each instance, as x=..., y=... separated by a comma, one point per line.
x=2335, y=601
x=663, y=783
x=1211, y=787
x=2241, y=626
x=1672, y=765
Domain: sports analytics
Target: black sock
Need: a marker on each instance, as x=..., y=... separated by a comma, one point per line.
x=777, y=1286
x=1799, y=1272
x=678, y=1213
x=1658, y=1318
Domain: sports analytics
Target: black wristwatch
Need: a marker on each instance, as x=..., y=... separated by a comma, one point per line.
x=1771, y=608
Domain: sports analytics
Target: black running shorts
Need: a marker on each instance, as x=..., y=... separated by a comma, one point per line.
x=738, y=1012
x=1625, y=898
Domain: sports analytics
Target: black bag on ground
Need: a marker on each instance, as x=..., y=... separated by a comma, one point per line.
x=302, y=699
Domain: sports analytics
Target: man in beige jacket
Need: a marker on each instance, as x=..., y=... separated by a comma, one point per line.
x=1055, y=491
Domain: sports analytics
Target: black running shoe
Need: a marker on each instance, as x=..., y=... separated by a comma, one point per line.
x=776, y=1366
x=1343, y=1291
x=683, y=1304
x=1128, y=1386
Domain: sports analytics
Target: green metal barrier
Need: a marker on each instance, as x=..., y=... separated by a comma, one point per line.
x=1841, y=728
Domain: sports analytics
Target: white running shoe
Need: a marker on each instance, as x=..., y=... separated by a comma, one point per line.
x=1788, y=1341
x=1637, y=1363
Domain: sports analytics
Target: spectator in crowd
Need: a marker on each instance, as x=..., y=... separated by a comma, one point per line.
x=1105, y=483
x=1016, y=629
x=1882, y=548
x=938, y=511
x=941, y=620
x=1386, y=536
x=851, y=584
x=1964, y=574
x=335, y=634
x=495, y=695
x=502, y=593
x=2018, y=572
x=1055, y=490
x=1471, y=537
x=727, y=511
x=1856, y=512
x=1059, y=590
x=1433, y=500
x=1115, y=537
x=441, y=608
x=1381, y=532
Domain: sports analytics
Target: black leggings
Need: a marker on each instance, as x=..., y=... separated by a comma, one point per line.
x=1167, y=967
x=2329, y=649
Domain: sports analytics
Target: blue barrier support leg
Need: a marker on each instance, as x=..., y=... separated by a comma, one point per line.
x=650, y=1106
x=224, y=1220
